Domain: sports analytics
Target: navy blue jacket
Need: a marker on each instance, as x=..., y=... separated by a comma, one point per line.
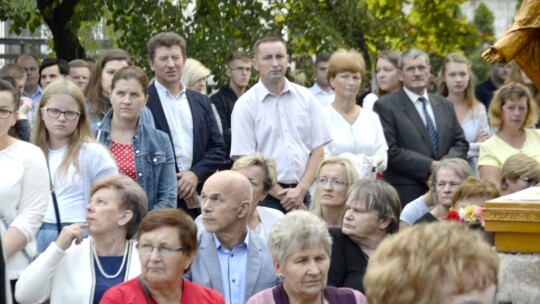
x=208, y=145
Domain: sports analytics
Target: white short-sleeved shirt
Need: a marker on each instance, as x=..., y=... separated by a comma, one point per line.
x=286, y=127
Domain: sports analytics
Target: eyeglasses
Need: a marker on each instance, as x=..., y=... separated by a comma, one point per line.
x=241, y=69
x=530, y=182
x=147, y=249
x=55, y=113
x=332, y=182
x=5, y=113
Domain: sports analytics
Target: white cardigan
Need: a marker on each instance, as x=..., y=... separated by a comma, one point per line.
x=66, y=276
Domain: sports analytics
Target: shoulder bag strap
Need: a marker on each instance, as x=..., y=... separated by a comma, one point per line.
x=55, y=201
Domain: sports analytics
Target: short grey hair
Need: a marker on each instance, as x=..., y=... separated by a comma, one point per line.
x=298, y=229
x=412, y=53
x=380, y=197
x=460, y=167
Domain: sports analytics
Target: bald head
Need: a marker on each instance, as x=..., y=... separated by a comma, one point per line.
x=226, y=201
x=232, y=183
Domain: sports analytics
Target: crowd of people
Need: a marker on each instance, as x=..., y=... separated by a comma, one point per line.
x=120, y=189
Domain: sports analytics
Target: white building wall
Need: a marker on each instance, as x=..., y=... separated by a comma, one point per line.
x=503, y=11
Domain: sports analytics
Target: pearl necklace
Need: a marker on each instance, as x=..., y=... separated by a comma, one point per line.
x=101, y=270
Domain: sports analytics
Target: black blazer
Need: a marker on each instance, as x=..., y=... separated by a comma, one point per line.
x=410, y=151
x=208, y=145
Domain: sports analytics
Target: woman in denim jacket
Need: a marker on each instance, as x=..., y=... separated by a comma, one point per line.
x=141, y=152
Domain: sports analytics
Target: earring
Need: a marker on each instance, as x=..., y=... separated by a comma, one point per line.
x=280, y=276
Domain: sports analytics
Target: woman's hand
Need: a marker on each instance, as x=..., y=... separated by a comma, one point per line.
x=70, y=233
x=482, y=136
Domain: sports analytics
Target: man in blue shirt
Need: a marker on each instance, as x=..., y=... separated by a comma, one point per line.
x=231, y=259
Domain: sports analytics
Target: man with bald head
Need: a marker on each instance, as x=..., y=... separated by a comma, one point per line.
x=231, y=259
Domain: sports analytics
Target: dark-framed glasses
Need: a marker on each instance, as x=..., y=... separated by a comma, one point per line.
x=5, y=113
x=55, y=113
x=332, y=182
x=147, y=249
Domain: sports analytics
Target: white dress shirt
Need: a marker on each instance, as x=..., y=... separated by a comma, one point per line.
x=180, y=121
x=286, y=127
x=418, y=105
x=324, y=98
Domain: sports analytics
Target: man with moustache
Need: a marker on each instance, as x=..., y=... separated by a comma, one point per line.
x=239, y=73
x=186, y=116
x=281, y=120
x=232, y=259
x=420, y=128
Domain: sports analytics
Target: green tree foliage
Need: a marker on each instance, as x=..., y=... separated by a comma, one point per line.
x=483, y=21
x=214, y=28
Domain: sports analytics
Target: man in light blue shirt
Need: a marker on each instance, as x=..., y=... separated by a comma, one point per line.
x=231, y=259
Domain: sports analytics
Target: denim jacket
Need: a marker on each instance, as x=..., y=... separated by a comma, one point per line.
x=154, y=161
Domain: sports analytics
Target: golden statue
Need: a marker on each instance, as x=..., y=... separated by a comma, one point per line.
x=521, y=42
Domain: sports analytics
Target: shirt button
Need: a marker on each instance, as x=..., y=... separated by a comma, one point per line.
x=137, y=151
x=140, y=174
x=234, y=281
x=155, y=159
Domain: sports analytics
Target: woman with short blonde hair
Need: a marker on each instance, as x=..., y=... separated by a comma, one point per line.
x=357, y=133
x=512, y=111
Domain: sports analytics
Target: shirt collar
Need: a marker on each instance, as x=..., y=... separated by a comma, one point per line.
x=161, y=89
x=38, y=92
x=413, y=96
x=317, y=90
x=265, y=92
x=244, y=243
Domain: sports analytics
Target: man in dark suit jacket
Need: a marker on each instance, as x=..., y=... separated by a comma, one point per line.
x=186, y=116
x=412, y=151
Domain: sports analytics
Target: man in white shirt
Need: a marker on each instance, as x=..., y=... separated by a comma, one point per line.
x=321, y=88
x=186, y=116
x=280, y=120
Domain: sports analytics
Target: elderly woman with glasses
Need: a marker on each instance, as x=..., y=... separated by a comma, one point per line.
x=372, y=213
x=167, y=245
x=334, y=175
x=78, y=270
x=301, y=246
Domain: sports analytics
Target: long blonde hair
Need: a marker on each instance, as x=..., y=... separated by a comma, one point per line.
x=82, y=133
x=352, y=176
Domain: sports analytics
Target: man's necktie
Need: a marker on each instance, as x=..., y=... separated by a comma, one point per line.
x=430, y=126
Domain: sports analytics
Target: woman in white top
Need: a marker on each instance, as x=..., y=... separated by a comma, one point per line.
x=262, y=175
x=456, y=84
x=356, y=132
x=386, y=77
x=24, y=188
x=77, y=270
x=75, y=160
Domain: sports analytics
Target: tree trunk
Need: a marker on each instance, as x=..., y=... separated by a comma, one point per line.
x=66, y=42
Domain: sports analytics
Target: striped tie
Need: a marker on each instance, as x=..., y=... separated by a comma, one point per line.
x=430, y=126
